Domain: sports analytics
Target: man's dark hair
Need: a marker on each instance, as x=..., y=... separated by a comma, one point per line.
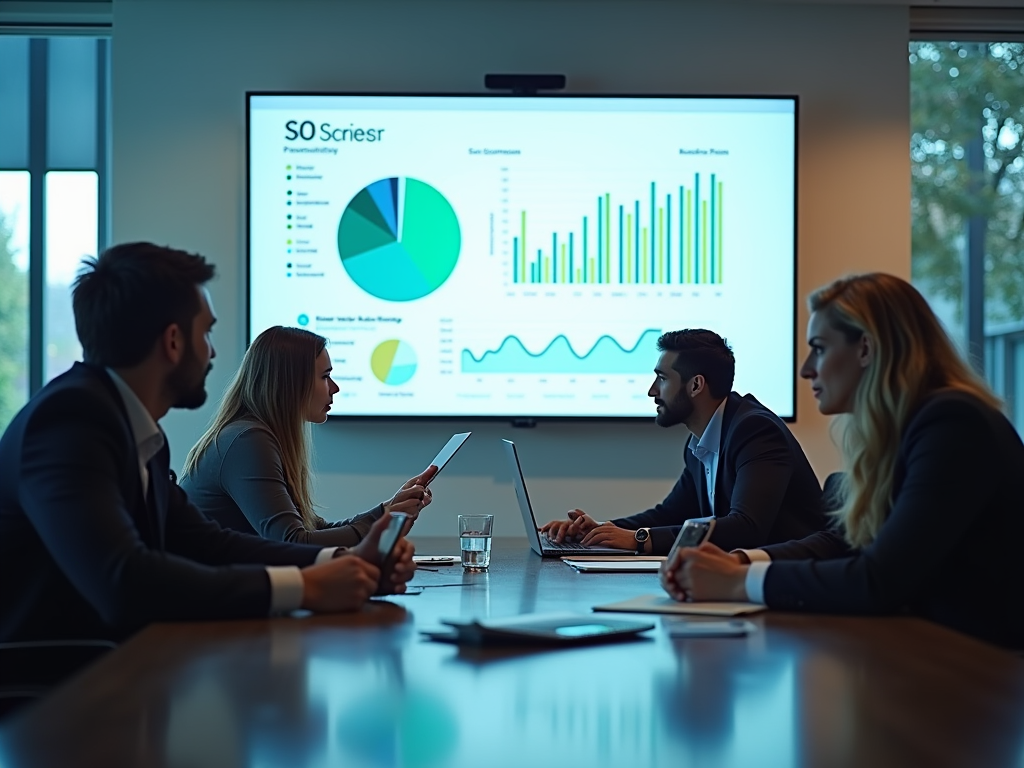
x=703, y=352
x=126, y=297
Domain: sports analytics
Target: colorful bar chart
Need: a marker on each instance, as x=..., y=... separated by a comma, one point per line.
x=673, y=238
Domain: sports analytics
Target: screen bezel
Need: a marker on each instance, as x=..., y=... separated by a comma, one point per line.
x=522, y=420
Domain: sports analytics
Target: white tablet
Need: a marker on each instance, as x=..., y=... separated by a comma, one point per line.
x=446, y=453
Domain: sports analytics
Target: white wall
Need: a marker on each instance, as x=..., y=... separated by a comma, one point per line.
x=180, y=70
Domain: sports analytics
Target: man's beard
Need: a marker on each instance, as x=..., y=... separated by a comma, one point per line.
x=188, y=381
x=676, y=412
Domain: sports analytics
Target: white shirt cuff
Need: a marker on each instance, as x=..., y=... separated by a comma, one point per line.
x=286, y=588
x=324, y=555
x=756, y=555
x=755, y=581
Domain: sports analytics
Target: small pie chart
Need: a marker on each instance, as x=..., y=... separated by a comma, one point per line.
x=393, y=362
x=399, y=239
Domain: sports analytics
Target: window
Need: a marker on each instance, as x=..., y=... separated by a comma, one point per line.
x=53, y=181
x=14, y=215
x=967, y=200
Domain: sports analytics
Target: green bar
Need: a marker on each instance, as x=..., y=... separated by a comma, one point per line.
x=547, y=269
x=704, y=239
x=644, y=231
x=682, y=236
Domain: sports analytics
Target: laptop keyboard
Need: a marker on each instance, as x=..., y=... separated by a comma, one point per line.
x=565, y=546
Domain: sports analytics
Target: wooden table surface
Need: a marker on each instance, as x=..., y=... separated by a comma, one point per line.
x=367, y=690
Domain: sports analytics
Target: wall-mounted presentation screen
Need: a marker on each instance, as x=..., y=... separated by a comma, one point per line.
x=519, y=256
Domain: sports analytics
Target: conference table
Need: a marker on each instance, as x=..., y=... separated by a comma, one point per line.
x=368, y=689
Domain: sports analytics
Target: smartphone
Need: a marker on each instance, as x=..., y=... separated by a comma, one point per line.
x=435, y=559
x=390, y=537
x=694, y=532
x=445, y=454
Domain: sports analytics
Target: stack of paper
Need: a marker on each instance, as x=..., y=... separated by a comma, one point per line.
x=594, y=564
x=665, y=604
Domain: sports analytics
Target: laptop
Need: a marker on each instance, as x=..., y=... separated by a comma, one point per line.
x=542, y=545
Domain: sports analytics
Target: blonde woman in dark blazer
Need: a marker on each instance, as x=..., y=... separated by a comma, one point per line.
x=250, y=470
x=932, y=517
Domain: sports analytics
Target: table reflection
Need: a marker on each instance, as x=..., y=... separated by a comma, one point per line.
x=368, y=690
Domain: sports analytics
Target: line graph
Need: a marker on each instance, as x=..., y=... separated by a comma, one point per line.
x=605, y=356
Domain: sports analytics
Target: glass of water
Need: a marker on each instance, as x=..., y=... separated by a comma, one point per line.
x=475, y=540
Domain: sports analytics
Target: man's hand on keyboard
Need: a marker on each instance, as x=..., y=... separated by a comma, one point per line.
x=573, y=529
x=608, y=535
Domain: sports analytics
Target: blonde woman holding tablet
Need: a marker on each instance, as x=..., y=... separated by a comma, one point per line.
x=250, y=470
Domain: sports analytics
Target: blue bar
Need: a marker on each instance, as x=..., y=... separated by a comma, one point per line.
x=654, y=235
x=636, y=250
x=515, y=259
x=600, y=237
x=668, y=238
x=682, y=236
x=696, y=227
x=712, y=249
x=570, y=257
x=554, y=257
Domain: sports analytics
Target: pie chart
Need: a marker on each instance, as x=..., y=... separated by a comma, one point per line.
x=399, y=239
x=393, y=362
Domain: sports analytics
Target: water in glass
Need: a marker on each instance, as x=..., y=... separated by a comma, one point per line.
x=476, y=550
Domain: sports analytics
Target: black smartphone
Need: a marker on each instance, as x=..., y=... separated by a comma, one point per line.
x=694, y=532
x=390, y=537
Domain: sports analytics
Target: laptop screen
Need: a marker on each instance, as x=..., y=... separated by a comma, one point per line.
x=519, y=483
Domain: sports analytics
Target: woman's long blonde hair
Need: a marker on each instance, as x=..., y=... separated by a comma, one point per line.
x=273, y=386
x=913, y=357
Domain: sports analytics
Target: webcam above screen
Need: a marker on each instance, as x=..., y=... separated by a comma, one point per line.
x=517, y=256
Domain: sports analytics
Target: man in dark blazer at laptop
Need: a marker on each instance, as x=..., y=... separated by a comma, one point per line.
x=742, y=465
x=96, y=539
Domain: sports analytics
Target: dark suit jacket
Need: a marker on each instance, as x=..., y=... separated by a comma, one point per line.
x=949, y=549
x=82, y=553
x=765, y=491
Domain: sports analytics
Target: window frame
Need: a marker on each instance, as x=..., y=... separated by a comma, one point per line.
x=38, y=167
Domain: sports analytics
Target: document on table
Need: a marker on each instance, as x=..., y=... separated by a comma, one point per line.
x=665, y=604
x=590, y=564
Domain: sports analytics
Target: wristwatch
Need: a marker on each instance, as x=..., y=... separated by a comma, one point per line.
x=641, y=536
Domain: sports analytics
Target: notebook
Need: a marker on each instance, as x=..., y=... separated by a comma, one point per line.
x=554, y=629
x=542, y=545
